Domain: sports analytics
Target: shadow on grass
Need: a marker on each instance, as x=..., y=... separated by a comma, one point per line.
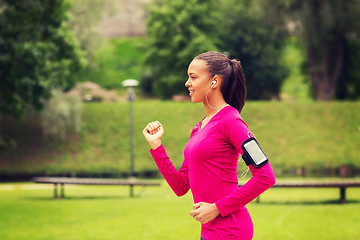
x=326, y=202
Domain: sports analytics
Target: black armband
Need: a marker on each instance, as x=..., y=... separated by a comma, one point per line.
x=253, y=154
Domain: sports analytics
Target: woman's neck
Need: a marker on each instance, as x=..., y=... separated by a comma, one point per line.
x=213, y=103
x=210, y=112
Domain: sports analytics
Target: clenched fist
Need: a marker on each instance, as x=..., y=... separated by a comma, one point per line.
x=153, y=133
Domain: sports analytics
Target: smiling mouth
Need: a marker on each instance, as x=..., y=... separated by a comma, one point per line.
x=191, y=92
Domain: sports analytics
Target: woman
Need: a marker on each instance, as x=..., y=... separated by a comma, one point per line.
x=211, y=154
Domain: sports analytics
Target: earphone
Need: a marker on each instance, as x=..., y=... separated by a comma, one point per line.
x=207, y=101
x=213, y=83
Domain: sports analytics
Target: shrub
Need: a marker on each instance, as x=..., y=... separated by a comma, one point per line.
x=61, y=115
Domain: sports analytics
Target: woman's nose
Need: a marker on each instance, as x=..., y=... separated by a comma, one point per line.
x=187, y=83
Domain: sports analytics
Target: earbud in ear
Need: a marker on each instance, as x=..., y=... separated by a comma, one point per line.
x=213, y=83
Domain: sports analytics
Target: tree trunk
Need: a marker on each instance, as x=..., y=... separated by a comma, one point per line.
x=325, y=45
x=323, y=90
x=323, y=76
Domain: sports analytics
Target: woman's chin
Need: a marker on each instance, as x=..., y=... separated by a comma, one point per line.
x=194, y=100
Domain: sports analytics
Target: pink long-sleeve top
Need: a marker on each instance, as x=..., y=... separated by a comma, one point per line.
x=210, y=171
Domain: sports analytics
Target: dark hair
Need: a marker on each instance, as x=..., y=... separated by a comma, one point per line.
x=233, y=85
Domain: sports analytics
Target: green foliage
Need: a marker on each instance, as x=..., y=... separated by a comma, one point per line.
x=61, y=115
x=326, y=29
x=180, y=30
x=37, y=53
x=83, y=16
x=115, y=61
x=248, y=35
x=296, y=86
x=348, y=86
x=177, y=32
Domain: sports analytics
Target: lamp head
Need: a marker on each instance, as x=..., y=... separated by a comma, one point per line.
x=130, y=83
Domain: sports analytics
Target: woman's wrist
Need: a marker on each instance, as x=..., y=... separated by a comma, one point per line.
x=155, y=144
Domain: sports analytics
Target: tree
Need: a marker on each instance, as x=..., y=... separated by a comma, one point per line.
x=249, y=35
x=348, y=86
x=177, y=32
x=82, y=19
x=37, y=53
x=326, y=27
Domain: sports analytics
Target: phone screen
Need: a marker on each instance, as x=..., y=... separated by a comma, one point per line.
x=255, y=152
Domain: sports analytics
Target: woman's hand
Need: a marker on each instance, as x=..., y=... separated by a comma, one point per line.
x=204, y=212
x=153, y=133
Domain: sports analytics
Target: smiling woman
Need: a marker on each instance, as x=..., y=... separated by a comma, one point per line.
x=226, y=73
x=212, y=153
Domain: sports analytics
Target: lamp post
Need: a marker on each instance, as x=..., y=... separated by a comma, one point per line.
x=130, y=84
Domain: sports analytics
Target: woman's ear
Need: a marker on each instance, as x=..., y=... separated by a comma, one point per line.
x=216, y=81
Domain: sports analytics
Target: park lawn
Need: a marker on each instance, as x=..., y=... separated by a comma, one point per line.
x=314, y=136
x=28, y=211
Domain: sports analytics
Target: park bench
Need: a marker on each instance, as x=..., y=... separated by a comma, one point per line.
x=341, y=184
x=92, y=181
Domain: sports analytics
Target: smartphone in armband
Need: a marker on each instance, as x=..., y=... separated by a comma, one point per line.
x=253, y=154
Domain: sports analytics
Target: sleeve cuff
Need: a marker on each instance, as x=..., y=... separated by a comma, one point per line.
x=221, y=210
x=159, y=148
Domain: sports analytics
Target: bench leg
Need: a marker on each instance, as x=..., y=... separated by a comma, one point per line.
x=131, y=190
x=343, y=194
x=62, y=193
x=55, y=190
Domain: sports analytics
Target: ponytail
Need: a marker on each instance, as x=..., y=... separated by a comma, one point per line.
x=233, y=87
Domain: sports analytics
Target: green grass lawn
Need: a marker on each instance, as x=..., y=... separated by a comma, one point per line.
x=315, y=136
x=28, y=211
